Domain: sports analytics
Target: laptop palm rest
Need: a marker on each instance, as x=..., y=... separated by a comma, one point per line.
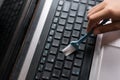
x=110, y=66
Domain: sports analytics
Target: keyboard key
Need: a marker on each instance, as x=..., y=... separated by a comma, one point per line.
x=57, y=13
x=63, y=78
x=48, y=66
x=53, y=50
x=60, y=28
x=68, y=26
x=75, y=33
x=59, y=8
x=65, y=73
x=60, y=56
x=45, y=52
x=56, y=73
x=73, y=39
x=91, y=40
x=83, y=32
x=100, y=0
x=97, y=2
x=74, y=6
x=53, y=79
x=65, y=41
x=43, y=59
x=49, y=38
x=73, y=78
x=76, y=0
x=58, y=64
x=72, y=13
x=77, y=26
x=47, y=46
x=89, y=7
x=53, y=26
x=79, y=19
x=61, y=2
x=66, y=6
x=81, y=10
x=91, y=2
x=76, y=71
x=70, y=57
x=62, y=47
x=40, y=68
x=46, y=75
x=82, y=46
x=52, y=32
x=67, y=33
x=51, y=58
x=38, y=76
x=89, y=49
x=58, y=35
x=68, y=64
x=80, y=55
x=85, y=24
x=71, y=20
x=64, y=15
x=62, y=21
x=55, y=20
x=77, y=62
x=56, y=43
x=84, y=1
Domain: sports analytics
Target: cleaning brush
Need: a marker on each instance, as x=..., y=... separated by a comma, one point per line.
x=74, y=45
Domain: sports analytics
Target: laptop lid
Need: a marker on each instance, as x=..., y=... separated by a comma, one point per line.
x=1, y=2
x=14, y=23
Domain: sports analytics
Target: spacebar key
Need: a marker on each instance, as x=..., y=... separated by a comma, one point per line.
x=66, y=6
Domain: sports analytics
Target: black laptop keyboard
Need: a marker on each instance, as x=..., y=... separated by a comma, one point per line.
x=69, y=23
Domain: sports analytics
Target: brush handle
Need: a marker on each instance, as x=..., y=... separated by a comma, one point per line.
x=89, y=33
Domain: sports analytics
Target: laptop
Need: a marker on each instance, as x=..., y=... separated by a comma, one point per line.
x=53, y=24
x=60, y=22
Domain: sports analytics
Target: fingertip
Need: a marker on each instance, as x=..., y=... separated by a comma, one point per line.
x=88, y=15
x=88, y=12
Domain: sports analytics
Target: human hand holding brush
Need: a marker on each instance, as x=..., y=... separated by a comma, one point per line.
x=108, y=9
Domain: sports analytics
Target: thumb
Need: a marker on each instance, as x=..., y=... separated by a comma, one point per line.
x=106, y=28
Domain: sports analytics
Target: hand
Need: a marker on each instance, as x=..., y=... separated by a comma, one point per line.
x=106, y=9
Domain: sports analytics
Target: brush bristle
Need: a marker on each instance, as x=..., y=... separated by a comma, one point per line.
x=68, y=50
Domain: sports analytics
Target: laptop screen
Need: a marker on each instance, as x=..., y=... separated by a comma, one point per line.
x=14, y=22
x=1, y=2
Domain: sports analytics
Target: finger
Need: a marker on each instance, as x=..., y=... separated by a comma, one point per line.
x=90, y=26
x=107, y=28
x=97, y=6
x=96, y=18
x=96, y=9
